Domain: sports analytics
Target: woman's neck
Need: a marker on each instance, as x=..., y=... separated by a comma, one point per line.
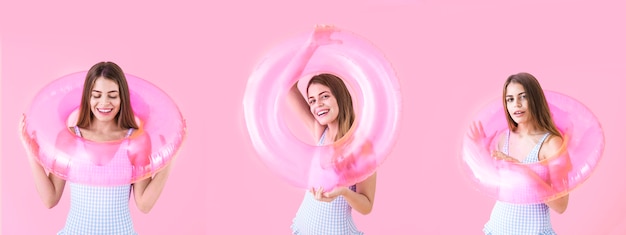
x=333, y=128
x=525, y=129
x=103, y=127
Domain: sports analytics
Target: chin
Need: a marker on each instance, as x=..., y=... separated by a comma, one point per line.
x=105, y=119
x=521, y=122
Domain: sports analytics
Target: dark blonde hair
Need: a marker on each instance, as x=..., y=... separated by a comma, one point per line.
x=537, y=104
x=344, y=100
x=125, y=118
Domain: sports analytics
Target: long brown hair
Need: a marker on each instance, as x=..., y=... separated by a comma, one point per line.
x=125, y=118
x=537, y=104
x=344, y=100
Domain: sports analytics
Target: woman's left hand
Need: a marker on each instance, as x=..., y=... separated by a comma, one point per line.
x=321, y=35
x=320, y=195
x=501, y=156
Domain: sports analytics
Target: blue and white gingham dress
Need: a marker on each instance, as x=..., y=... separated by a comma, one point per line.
x=522, y=219
x=324, y=218
x=101, y=209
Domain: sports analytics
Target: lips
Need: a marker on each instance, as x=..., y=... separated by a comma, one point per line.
x=518, y=112
x=322, y=112
x=104, y=110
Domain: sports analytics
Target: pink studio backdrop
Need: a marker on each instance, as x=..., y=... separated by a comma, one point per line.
x=451, y=58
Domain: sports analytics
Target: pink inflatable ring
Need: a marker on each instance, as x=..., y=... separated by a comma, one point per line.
x=522, y=183
x=354, y=157
x=55, y=109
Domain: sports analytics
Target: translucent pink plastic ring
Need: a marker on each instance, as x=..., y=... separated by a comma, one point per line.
x=61, y=152
x=523, y=183
x=376, y=102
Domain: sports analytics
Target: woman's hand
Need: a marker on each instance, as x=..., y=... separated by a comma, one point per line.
x=29, y=142
x=479, y=137
x=321, y=35
x=320, y=195
x=49, y=187
x=501, y=156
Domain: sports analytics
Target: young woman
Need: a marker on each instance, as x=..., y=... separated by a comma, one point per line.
x=328, y=113
x=532, y=137
x=105, y=115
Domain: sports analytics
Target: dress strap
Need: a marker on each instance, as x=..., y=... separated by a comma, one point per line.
x=321, y=142
x=77, y=131
x=543, y=138
x=505, y=148
x=130, y=131
x=535, y=152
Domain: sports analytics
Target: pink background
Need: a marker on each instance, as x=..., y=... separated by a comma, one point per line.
x=451, y=58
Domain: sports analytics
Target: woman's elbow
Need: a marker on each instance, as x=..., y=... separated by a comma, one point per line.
x=49, y=205
x=50, y=202
x=365, y=211
x=560, y=210
x=144, y=207
x=560, y=206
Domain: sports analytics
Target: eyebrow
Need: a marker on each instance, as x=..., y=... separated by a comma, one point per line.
x=517, y=94
x=319, y=94
x=101, y=91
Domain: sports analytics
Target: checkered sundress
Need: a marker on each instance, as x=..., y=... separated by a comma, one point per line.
x=101, y=209
x=324, y=218
x=520, y=219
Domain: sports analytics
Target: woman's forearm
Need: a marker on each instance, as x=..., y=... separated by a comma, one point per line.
x=49, y=187
x=363, y=199
x=359, y=202
x=148, y=191
x=560, y=204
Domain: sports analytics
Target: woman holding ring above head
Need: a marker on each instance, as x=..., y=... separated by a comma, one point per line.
x=327, y=111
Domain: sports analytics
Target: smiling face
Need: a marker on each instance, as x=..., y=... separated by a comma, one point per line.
x=323, y=104
x=517, y=103
x=105, y=99
x=106, y=96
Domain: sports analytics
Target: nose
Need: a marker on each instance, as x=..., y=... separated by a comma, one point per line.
x=316, y=103
x=518, y=103
x=106, y=100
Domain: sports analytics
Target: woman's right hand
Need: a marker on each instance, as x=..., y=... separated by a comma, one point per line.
x=29, y=142
x=322, y=35
x=49, y=187
x=330, y=196
x=501, y=156
x=479, y=137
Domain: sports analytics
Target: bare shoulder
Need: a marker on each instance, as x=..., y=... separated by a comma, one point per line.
x=140, y=140
x=551, y=147
x=140, y=148
x=501, y=138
